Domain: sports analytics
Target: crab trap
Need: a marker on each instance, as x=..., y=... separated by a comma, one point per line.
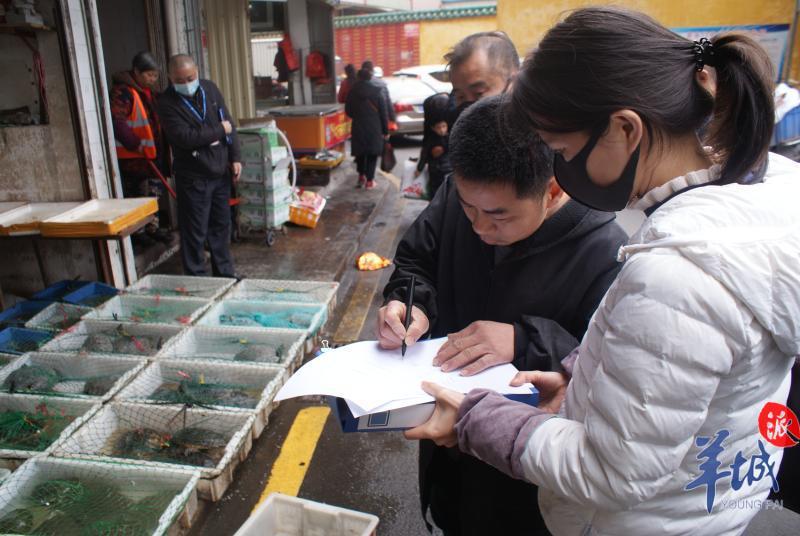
x=151, y=310
x=69, y=375
x=209, y=385
x=113, y=338
x=30, y=425
x=58, y=317
x=181, y=286
x=308, y=318
x=276, y=290
x=162, y=436
x=48, y=496
x=241, y=345
x=20, y=341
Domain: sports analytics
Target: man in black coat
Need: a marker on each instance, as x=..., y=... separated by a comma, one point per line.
x=365, y=105
x=205, y=151
x=511, y=270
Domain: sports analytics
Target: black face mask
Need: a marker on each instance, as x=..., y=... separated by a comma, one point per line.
x=574, y=179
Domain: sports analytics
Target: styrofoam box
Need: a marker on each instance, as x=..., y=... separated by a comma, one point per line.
x=222, y=344
x=257, y=218
x=282, y=515
x=267, y=378
x=136, y=482
x=56, y=312
x=80, y=409
x=184, y=286
x=278, y=290
x=72, y=366
x=257, y=194
x=91, y=441
x=183, y=311
x=226, y=307
x=72, y=340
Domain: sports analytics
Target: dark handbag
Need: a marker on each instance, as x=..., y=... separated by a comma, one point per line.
x=388, y=160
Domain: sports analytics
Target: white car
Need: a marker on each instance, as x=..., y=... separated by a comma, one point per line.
x=436, y=76
x=408, y=94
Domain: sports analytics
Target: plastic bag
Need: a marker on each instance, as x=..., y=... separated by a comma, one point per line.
x=388, y=160
x=411, y=186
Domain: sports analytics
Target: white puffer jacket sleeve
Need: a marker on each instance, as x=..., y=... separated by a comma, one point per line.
x=658, y=346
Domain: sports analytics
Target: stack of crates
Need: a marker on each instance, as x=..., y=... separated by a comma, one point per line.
x=264, y=189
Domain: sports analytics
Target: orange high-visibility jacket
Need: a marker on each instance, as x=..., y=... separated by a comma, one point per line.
x=140, y=125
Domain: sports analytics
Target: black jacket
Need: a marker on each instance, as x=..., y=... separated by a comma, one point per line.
x=547, y=285
x=199, y=149
x=365, y=105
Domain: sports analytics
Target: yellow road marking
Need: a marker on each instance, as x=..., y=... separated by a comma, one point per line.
x=289, y=469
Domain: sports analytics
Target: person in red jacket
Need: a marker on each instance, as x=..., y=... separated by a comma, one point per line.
x=347, y=83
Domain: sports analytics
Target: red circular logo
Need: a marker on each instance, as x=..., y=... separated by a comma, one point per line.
x=778, y=425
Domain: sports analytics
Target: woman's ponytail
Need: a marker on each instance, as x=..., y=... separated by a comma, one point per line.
x=744, y=111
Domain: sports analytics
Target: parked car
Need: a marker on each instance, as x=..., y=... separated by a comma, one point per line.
x=408, y=94
x=436, y=76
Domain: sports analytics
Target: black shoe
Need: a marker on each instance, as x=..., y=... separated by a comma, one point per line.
x=163, y=236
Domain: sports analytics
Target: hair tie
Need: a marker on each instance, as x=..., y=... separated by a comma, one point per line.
x=704, y=54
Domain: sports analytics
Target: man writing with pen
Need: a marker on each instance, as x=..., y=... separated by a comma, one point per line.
x=206, y=158
x=510, y=270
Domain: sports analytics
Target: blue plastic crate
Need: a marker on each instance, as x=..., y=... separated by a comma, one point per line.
x=57, y=291
x=20, y=341
x=788, y=129
x=21, y=313
x=91, y=295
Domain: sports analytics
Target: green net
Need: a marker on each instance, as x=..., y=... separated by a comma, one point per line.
x=197, y=392
x=240, y=345
x=151, y=310
x=113, y=338
x=290, y=318
x=276, y=290
x=181, y=286
x=29, y=423
x=58, y=316
x=50, y=497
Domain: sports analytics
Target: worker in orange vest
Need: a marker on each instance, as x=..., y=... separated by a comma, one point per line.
x=139, y=140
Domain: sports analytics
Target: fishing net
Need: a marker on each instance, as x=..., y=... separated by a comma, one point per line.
x=151, y=310
x=67, y=497
x=245, y=345
x=274, y=290
x=68, y=375
x=204, y=384
x=107, y=338
x=181, y=286
x=254, y=314
x=19, y=341
x=163, y=434
x=30, y=423
x=58, y=317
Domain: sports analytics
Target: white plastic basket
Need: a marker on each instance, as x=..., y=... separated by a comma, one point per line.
x=228, y=344
x=151, y=310
x=73, y=339
x=58, y=317
x=311, y=316
x=95, y=439
x=79, y=410
x=282, y=515
x=278, y=290
x=181, y=286
x=262, y=380
x=136, y=483
x=76, y=370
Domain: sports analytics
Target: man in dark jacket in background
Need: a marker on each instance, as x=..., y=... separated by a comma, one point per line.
x=378, y=82
x=206, y=158
x=511, y=270
x=365, y=106
x=139, y=140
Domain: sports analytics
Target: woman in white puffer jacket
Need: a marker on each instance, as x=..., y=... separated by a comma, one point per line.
x=658, y=432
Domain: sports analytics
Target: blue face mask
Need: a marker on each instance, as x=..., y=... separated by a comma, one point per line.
x=188, y=89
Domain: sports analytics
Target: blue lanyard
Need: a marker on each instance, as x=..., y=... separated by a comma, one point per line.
x=188, y=104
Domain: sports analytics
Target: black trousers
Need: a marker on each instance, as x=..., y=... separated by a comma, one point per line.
x=204, y=215
x=366, y=164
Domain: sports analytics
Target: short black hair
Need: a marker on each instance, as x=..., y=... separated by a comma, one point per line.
x=485, y=147
x=500, y=51
x=368, y=65
x=144, y=61
x=364, y=74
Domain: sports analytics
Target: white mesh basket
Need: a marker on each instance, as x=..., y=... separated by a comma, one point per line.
x=181, y=286
x=125, y=432
x=308, y=318
x=151, y=310
x=78, y=376
x=58, y=316
x=113, y=338
x=277, y=290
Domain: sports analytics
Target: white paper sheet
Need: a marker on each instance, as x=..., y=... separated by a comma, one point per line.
x=372, y=379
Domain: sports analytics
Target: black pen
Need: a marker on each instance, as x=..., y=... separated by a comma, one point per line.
x=412, y=281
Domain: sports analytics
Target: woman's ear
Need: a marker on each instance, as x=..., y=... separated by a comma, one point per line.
x=626, y=126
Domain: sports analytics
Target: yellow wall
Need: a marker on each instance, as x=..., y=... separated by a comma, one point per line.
x=436, y=38
x=526, y=21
